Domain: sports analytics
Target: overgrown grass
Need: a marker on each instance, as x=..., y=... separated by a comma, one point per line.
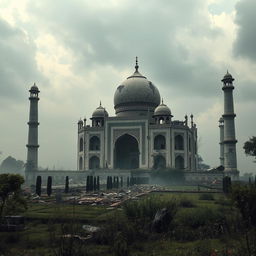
x=147, y=207
x=62, y=212
x=126, y=231
x=206, y=196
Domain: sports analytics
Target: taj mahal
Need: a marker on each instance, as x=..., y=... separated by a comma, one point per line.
x=143, y=136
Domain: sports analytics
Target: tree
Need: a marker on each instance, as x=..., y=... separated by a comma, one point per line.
x=87, y=183
x=94, y=184
x=91, y=183
x=11, y=165
x=250, y=147
x=38, y=185
x=121, y=182
x=98, y=183
x=49, y=185
x=226, y=184
x=244, y=197
x=10, y=192
x=67, y=185
x=201, y=164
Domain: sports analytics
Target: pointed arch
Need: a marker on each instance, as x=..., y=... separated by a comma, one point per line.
x=81, y=144
x=94, y=162
x=179, y=162
x=94, y=144
x=159, y=142
x=126, y=153
x=159, y=162
x=179, y=142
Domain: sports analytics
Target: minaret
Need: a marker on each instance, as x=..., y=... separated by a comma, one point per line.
x=32, y=146
x=230, y=162
x=221, y=126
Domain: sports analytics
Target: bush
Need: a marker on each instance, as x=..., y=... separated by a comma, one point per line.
x=12, y=238
x=199, y=223
x=113, y=226
x=197, y=217
x=120, y=245
x=206, y=197
x=186, y=203
x=244, y=197
x=144, y=210
x=223, y=201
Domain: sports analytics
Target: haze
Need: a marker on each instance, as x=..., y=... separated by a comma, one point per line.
x=78, y=52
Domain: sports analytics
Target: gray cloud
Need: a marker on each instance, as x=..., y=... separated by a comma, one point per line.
x=103, y=39
x=245, y=44
x=246, y=90
x=109, y=36
x=17, y=64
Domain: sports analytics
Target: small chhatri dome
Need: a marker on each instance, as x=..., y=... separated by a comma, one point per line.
x=34, y=88
x=99, y=112
x=227, y=77
x=80, y=121
x=221, y=120
x=162, y=110
x=136, y=95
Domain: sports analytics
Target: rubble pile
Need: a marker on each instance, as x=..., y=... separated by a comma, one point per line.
x=111, y=198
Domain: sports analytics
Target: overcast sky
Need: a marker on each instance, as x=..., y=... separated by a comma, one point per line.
x=79, y=51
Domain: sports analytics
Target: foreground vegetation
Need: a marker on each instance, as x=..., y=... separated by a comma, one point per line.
x=194, y=224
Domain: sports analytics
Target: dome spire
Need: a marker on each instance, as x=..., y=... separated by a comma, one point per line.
x=136, y=64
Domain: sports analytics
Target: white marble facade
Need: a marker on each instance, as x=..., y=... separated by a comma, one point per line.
x=142, y=134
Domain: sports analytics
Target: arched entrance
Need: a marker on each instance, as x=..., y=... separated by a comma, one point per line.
x=179, y=162
x=159, y=162
x=126, y=153
x=94, y=143
x=94, y=163
x=159, y=142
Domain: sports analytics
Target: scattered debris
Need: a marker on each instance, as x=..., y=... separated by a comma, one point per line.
x=77, y=237
x=91, y=229
x=111, y=198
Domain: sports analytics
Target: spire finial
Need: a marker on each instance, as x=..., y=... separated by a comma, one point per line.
x=162, y=100
x=136, y=64
x=100, y=103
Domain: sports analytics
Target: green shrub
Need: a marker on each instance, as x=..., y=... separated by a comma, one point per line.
x=196, y=217
x=12, y=238
x=117, y=224
x=142, y=212
x=186, y=203
x=120, y=245
x=223, y=201
x=147, y=208
x=206, y=196
x=199, y=223
x=244, y=197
